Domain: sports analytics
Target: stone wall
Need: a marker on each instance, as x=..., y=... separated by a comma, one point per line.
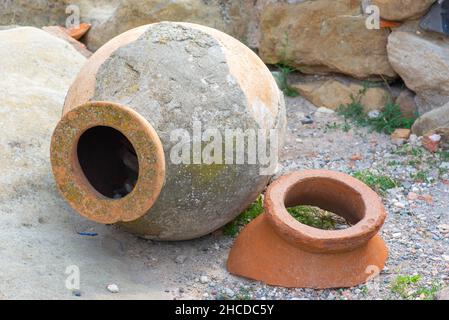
x=318, y=37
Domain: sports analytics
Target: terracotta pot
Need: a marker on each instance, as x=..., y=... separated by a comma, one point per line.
x=279, y=250
x=111, y=151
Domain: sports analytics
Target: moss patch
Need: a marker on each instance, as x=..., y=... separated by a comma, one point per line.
x=317, y=218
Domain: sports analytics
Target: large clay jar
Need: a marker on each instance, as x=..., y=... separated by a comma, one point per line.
x=114, y=155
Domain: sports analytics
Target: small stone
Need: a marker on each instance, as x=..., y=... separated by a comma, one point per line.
x=427, y=198
x=229, y=292
x=412, y=196
x=445, y=257
x=325, y=110
x=397, y=235
x=413, y=138
x=400, y=134
x=76, y=293
x=180, y=259
x=204, y=279
x=444, y=228
x=307, y=120
x=356, y=157
x=432, y=142
x=444, y=165
x=374, y=114
x=113, y=288
x=399, y=205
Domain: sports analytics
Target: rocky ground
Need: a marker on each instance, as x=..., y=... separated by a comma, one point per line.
x=40, y=236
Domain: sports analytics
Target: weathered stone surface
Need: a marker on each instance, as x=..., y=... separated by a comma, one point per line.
x=112, y=17
x=173, y=74
x=400, y=134
x=334, y=93
x=37, y=70
x=407, y=104
x=399, y=10
x=324, y=36
x=422, y=61
x=34, y=13
x=435, y=121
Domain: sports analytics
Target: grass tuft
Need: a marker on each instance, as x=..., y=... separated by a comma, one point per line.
x=315, y=217
x=407, y=287
x=390, y=117
x=253, y=211
x=379, y=183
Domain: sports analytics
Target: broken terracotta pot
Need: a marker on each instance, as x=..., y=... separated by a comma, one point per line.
x=126, y=148
x=277, y=249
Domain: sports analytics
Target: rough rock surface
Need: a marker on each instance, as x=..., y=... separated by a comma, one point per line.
x=399, y=10
x=34, y=13
x=435, y=121
x=172, y=70
x=37, y=70
x=118, y=16
x=324, y=36
x=407, y=104
x=422, y=61
x=334, y=93
x=112, y=17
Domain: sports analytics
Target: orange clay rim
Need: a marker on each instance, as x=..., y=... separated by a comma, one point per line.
x=317, y=240
x=73, y=184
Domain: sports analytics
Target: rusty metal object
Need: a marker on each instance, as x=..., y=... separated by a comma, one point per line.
x=277, y=249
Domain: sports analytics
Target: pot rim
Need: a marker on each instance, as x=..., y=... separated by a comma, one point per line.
x=71, y=180
x=369, y=205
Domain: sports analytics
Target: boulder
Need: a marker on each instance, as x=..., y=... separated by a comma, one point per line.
x=322, y=37
x=400, y=10
x=33, y=13
x=422, y=61
x=407, y=104
x=433, y=122
x=334, y=93
x=112, y=17
x=37, y=70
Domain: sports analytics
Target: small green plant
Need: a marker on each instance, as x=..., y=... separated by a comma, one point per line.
x=315, y=217
x=281, y=78
x=420, y=176
x=409, y=150
x=401, y=284
x=407, y=287
x=253, y=211
x=389, y=119
x=380, y=183
x=444, y=155
x=284, y=69
x=393, y=163
x=354, y=110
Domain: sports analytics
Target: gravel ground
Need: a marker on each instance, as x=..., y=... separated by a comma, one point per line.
x=416, y=229
x=39, y=233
